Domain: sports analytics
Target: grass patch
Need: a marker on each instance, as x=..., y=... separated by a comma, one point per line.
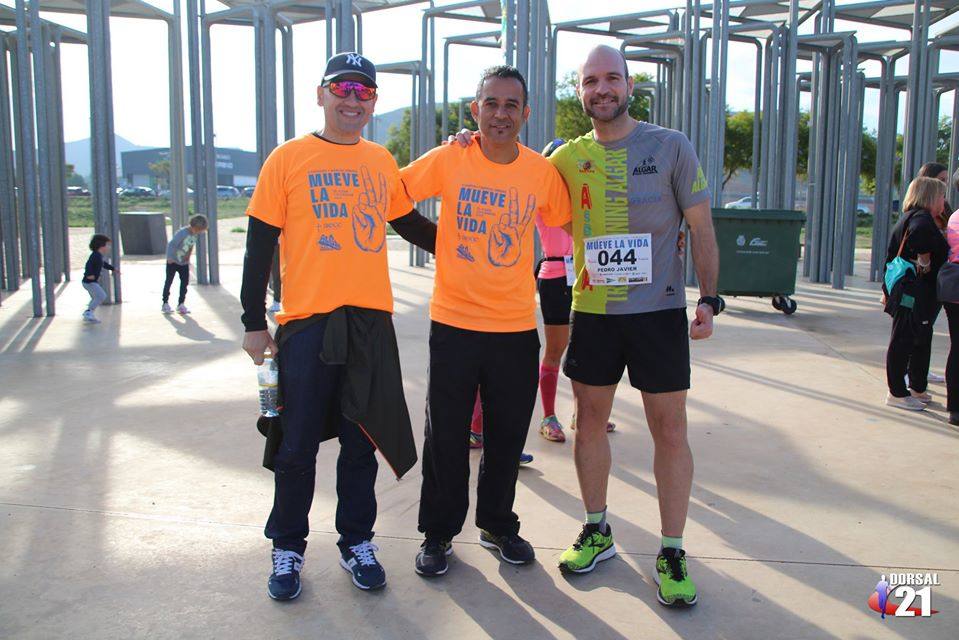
x=80, y=208
x=863, y=232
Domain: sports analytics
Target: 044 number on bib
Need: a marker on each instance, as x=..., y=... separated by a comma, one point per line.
x=624, y=259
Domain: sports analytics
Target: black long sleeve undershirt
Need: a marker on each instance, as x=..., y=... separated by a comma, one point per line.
x=261, y=239
x=416, y=229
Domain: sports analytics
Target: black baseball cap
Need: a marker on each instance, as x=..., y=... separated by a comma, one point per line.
x=349, y=63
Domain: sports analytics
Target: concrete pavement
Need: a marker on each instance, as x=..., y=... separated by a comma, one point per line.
x=132, y=500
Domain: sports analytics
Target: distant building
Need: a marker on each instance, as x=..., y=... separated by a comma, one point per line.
x=234, y=167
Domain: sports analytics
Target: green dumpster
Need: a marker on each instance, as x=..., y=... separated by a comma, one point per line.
x=758, y=253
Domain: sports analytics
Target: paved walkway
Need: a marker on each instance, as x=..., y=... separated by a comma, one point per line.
x=132, y=501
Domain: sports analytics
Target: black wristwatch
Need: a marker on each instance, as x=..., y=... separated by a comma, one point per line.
x=717, y=303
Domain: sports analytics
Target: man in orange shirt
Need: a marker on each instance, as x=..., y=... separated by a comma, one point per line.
x=483, y=332
x=329, y=195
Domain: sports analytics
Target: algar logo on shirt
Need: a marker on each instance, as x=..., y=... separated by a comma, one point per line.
x=646, y=167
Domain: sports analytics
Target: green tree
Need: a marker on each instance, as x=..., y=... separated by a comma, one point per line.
x=739, y=147
x=572, y=121
x=739, y=144
x=398, y=138
x=943, y=140
x=161, y=172
x=74, y=179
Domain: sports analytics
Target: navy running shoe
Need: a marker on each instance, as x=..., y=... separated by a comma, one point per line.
x=285, y=581
x=431, y=560
x=512, y=548
x=525, y=458
x=360, y=560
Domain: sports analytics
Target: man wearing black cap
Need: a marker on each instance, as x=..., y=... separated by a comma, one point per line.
x=329, y=195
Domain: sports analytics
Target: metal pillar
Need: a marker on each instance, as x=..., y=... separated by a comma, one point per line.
x=39, y=49
x=790, y=121
x=178, y=200
x=289, y=117
x=757, y=124
x=209, y=166
x=60, y=160
x=770, y=121
x=19, y=179
x=952, y=190
x=417, y=71
x=474, y=40
x=913, y=142
x=697, y=80
x=508, y=31
x=28, y=188
x=193, y=21
x=345, y=29
x=102, y=135
x=8, y=204
x=885, y=163
x=717, y=104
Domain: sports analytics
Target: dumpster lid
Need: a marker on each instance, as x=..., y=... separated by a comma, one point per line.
x=759, y=214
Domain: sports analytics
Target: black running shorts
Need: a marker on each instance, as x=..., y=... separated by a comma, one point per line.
x=653, y=346
x=555, y=300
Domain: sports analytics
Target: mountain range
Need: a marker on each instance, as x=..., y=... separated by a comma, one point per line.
x=78, y=154
x=78, y=151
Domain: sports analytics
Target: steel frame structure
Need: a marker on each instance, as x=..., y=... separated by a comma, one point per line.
x=20, y=242
x=685, y=94
x=40, y=163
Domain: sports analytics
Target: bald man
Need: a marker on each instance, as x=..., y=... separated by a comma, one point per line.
x=633, y=184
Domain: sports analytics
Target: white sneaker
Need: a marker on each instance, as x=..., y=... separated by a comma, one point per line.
x=166, y=308
x=908, y=403
x=275, y=307
x=923, y=397
x=89, y=317
x=935, y=377
x=182, y=310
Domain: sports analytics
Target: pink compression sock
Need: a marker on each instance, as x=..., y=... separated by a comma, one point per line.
x=476, y=424
x=548, y=377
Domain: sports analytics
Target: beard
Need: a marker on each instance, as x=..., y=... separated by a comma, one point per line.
x=620, y=110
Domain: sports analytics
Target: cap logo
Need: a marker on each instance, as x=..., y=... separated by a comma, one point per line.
x=354, y=59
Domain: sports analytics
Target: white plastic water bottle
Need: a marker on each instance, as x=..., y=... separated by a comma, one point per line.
x=269, y=377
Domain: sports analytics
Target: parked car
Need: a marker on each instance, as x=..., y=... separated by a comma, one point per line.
x=138, y=192
x=77, y=191
x=248, y=192
x=742, y=203
x=226, y=192
x=165, y=193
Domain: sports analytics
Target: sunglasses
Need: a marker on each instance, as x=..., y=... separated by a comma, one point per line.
x=344, y=88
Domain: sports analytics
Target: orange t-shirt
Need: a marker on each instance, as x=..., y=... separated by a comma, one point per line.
x=484, y=243
x=332, y=202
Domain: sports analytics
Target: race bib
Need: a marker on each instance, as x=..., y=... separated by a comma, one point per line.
x=570, y=273
x=625, y=259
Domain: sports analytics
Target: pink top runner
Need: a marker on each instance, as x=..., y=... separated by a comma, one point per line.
x=952, y=236
x=556, y=242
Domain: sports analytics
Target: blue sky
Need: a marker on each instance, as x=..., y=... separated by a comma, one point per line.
x=140, y=68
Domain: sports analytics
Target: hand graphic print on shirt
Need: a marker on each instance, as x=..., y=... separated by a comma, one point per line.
x=505, y=236
x=369, y=213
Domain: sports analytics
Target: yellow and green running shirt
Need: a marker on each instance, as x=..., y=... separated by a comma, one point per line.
x=621, y=191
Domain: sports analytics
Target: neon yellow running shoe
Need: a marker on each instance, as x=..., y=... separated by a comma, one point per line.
x=675, y=587
x=590, y=547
